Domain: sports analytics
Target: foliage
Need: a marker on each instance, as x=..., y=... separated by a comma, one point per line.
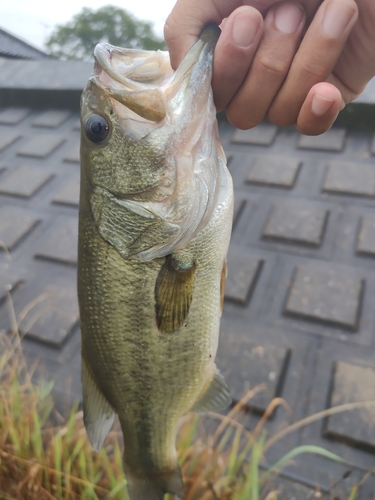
x=77, y=38
x=46, y=457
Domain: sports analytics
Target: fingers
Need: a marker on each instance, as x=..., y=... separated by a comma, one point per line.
x=188, y=17
x=283, y=28
x=234, y=53
x=320, y=109
x=185, y=22
x=315, y=59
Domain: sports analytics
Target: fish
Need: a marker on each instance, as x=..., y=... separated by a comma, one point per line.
x=155, y=217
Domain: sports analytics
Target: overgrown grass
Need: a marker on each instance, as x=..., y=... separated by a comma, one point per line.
x=46, y=457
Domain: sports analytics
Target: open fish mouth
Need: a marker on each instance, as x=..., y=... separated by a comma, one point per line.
x=170, y=115
x=144, y=81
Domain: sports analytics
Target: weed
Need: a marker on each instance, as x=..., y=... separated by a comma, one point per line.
x=46, y=457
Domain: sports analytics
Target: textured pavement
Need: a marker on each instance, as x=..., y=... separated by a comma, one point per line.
x=299, y=314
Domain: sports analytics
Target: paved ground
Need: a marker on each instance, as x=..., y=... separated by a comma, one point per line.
x=299, y=315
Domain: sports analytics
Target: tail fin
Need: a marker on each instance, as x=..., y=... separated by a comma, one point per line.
x=155, y=485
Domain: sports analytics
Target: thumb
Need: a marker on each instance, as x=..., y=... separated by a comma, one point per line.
x=184, y=25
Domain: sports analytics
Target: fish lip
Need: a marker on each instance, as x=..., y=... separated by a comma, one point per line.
x=143, y=81
x=102, y=55
x=206, y=43
x=103, y=52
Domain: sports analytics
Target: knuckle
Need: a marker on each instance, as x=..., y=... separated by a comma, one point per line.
x=314, y=70
x=273, y=66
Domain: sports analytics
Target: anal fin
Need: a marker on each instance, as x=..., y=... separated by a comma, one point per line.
x=173, y=293
x=98, y=414
x=216, y=396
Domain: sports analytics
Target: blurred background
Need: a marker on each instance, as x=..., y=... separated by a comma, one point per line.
x=36, y=21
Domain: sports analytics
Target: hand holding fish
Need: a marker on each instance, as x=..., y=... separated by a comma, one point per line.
x=301, y=64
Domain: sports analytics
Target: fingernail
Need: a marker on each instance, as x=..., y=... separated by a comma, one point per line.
x=336, y=19
x=320, y=105
x=288, y=17
x=244, y=29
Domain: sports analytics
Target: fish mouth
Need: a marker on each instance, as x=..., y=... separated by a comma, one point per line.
x=143, y=81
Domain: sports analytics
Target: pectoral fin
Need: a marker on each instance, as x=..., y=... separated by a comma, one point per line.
x=173, y=293
x=98, y=415
x=215, y=397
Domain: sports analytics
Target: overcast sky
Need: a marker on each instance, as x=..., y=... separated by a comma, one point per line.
x=34, y=20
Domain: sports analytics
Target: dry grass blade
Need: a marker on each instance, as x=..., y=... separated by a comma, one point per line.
x=46, y=457
x=317, y=416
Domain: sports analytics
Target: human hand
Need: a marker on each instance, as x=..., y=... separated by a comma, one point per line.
x=301, y=64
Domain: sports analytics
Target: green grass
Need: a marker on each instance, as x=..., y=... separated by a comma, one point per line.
x=46, y=457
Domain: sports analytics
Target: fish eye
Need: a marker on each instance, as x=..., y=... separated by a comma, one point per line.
x=96, y=128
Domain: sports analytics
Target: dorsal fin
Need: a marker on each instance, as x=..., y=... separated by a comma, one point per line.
x=173, y=293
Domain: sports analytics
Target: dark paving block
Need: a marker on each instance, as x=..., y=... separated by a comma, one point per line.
x=41, y=145
x=24, y=181
x=13, y=116
x=47, y=315
x=243, y=272
x=7, y=284
x=297, y=224
x=60, y=242
x=246, y=364
x=274, y=171
x=330, y=296
x=239, y=205
x=15, y=224
x=262, y=135
x=7, y=138
x=68, y=387
x=51, y=118
x=73, y=154
x=333, y=140
x=69, y=194
x=366, y=236
x=353, y=384
x=350, y=178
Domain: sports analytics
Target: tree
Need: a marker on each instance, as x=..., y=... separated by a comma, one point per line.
x=77, y=38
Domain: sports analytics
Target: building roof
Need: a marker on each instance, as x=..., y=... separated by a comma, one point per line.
x=14, y=47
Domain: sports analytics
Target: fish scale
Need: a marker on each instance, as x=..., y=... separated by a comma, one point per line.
x=148, y=354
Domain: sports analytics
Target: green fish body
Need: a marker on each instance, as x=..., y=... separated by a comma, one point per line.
x=155, y=220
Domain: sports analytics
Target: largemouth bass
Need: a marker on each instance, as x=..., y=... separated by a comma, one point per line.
x=155, y=220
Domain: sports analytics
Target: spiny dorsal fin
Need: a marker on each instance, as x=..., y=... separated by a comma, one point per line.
x=173, y=293
x=98, y=414
x=215, y=397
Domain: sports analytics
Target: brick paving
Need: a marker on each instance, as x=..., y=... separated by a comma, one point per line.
x=299, y=315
